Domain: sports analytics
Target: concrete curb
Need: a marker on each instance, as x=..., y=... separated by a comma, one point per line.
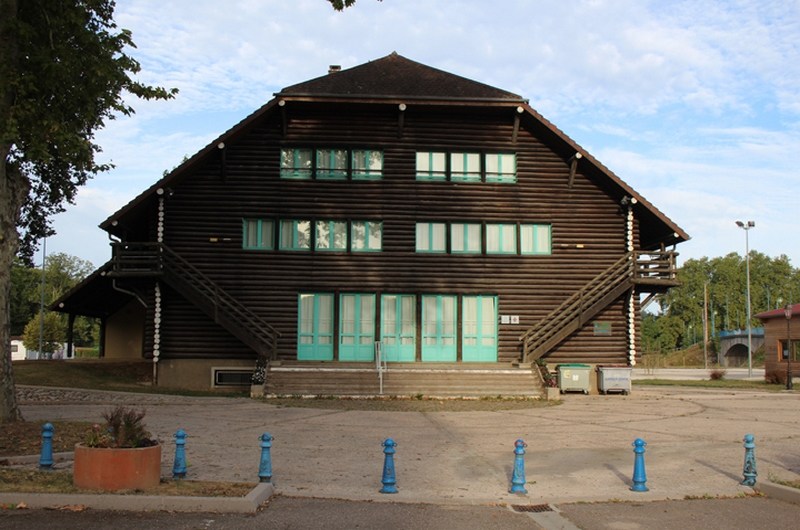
x=779, y=491
x=246, y=504
x=34, y=459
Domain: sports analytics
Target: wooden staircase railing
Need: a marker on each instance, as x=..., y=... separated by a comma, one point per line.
x=132, y=260
x=647, y=270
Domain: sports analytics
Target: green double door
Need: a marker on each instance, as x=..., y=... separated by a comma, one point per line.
x=440, y=328
x=398, y=327
x=357, y=327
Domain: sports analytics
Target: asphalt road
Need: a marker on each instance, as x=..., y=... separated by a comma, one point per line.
x=305, y=513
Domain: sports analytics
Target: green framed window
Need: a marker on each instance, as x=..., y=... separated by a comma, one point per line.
x=501, y=167
x=296, y=163
x=465, y=238
x=366, y=236
x=331, y=164
x=535, y=239
x=501, y=239
x=367, y=164
x=295, y=235
x=479, y=328
x=431, y=165
x=315, y=327
x=465, y=167
x=357, y=327
x=431, y=237
x=399, y=327
x=258, y=234
x=331, y=235
x=439, y=324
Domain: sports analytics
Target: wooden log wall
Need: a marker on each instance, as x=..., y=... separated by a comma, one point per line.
x=204, y=224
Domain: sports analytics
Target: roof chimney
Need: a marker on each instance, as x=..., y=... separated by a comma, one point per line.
x=332, y=69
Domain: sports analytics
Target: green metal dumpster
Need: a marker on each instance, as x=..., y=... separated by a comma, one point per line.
x=573, y=377
x=614, y=379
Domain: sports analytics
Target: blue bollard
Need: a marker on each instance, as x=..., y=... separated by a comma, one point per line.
x=265, y=467
x=639, y=474
x=179, y=467
x=749, y=470
x=46, y=457
x=518, y=476
x=389, y=479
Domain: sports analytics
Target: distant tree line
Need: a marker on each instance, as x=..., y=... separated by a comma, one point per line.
x=679, y=321
x=61, y=273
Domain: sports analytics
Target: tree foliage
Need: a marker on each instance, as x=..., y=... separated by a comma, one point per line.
x=62, y=272
x=340, y=5
x=51, y=331
x=64, y=71
x=67, y=73
x=773, y=284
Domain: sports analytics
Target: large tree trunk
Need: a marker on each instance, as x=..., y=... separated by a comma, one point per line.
x=13, y=190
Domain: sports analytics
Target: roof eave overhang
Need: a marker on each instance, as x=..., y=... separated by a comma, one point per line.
x=673, y=234
x=111, y=223
x=389, y=99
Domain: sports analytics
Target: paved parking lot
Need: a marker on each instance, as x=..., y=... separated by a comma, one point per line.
x=578, y=451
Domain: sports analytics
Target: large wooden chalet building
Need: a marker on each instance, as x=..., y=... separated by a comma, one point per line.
x=391, y=210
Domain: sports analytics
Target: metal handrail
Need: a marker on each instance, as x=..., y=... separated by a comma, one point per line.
x=635, y=265
x=158, y=258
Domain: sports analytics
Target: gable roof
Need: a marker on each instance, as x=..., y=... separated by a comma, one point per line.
x=396, y=77
x=779, y=313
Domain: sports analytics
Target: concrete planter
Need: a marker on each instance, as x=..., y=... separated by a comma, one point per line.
x=112, y=469
x=552, y=393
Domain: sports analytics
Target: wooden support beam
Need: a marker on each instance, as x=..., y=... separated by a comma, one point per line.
x=573, y=168
x=516, y=129
x=223, y=166
x=284, y=119
x=401, y=119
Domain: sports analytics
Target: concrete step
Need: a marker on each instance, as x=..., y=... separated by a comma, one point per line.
x=361, y=379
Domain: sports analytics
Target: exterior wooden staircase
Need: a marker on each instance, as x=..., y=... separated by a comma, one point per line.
x=156, y=260
x=646, y=271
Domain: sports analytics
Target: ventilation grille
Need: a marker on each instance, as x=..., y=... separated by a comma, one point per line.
x=223, y=377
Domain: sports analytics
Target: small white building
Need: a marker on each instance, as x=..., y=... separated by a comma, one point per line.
x=18, y=350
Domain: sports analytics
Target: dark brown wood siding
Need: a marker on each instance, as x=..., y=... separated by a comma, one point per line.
x=204, y=224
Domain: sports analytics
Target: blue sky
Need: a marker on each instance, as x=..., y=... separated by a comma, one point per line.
x=696, y=104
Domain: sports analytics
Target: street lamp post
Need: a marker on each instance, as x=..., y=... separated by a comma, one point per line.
x=788, y=352
x=746, y=227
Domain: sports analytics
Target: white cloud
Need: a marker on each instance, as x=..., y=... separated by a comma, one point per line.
x=693, y=102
